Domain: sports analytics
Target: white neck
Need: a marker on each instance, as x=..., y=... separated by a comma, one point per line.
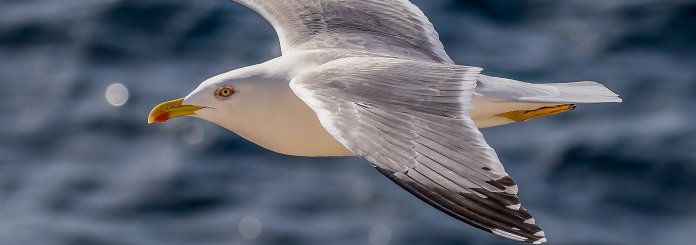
x=272, y=116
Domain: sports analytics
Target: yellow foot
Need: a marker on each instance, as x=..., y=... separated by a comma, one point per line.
x=520, y=116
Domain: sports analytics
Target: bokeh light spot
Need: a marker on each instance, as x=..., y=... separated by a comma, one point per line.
x=117, y=94
x=193, y=134
x=250, y=227
x=380, y=235
x=363, y=190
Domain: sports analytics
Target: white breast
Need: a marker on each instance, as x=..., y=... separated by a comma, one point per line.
x=276, y=119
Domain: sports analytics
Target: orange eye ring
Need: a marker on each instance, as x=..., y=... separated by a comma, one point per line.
x=224, y=93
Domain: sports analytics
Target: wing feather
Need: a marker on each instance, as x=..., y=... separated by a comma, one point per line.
x=411, y=120
x=395, y=28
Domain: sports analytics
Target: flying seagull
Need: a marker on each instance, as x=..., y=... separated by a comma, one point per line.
x=370, y=78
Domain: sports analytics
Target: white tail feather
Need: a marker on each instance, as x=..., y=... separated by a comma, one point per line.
x=582, y=92
x=503, y=89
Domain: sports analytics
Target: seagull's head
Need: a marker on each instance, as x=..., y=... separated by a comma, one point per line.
x=217, y=100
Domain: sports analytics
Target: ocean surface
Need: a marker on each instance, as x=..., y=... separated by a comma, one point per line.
x=80, y=166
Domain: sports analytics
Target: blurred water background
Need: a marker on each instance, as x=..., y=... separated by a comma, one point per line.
x=79, y=165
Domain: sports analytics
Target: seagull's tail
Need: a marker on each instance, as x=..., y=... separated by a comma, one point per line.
x=579, y=93
x=501, y=101
x=502, y=89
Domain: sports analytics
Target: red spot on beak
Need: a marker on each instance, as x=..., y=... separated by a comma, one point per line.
x=162, y=117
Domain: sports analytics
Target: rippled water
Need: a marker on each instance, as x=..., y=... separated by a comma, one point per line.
x=79, y=165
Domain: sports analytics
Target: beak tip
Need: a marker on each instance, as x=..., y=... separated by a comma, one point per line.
x=160, y=118
x=168, y=110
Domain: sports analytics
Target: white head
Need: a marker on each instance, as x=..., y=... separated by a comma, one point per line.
x=219, y=99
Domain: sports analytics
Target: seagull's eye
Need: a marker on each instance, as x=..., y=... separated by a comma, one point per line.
x=224, y=93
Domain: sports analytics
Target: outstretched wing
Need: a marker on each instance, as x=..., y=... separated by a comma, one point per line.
x=395, y=28
x=410, y=119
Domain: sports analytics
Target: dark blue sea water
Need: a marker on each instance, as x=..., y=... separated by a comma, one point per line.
x=75, y=169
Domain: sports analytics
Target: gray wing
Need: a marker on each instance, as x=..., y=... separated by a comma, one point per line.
x=410, y=120
x=395, y=28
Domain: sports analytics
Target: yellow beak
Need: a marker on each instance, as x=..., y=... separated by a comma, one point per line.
x=171, y=109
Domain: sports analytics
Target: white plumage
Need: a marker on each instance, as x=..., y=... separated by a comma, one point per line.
x=371, y=78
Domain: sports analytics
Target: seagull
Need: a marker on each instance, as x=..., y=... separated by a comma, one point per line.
x=370, y=78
